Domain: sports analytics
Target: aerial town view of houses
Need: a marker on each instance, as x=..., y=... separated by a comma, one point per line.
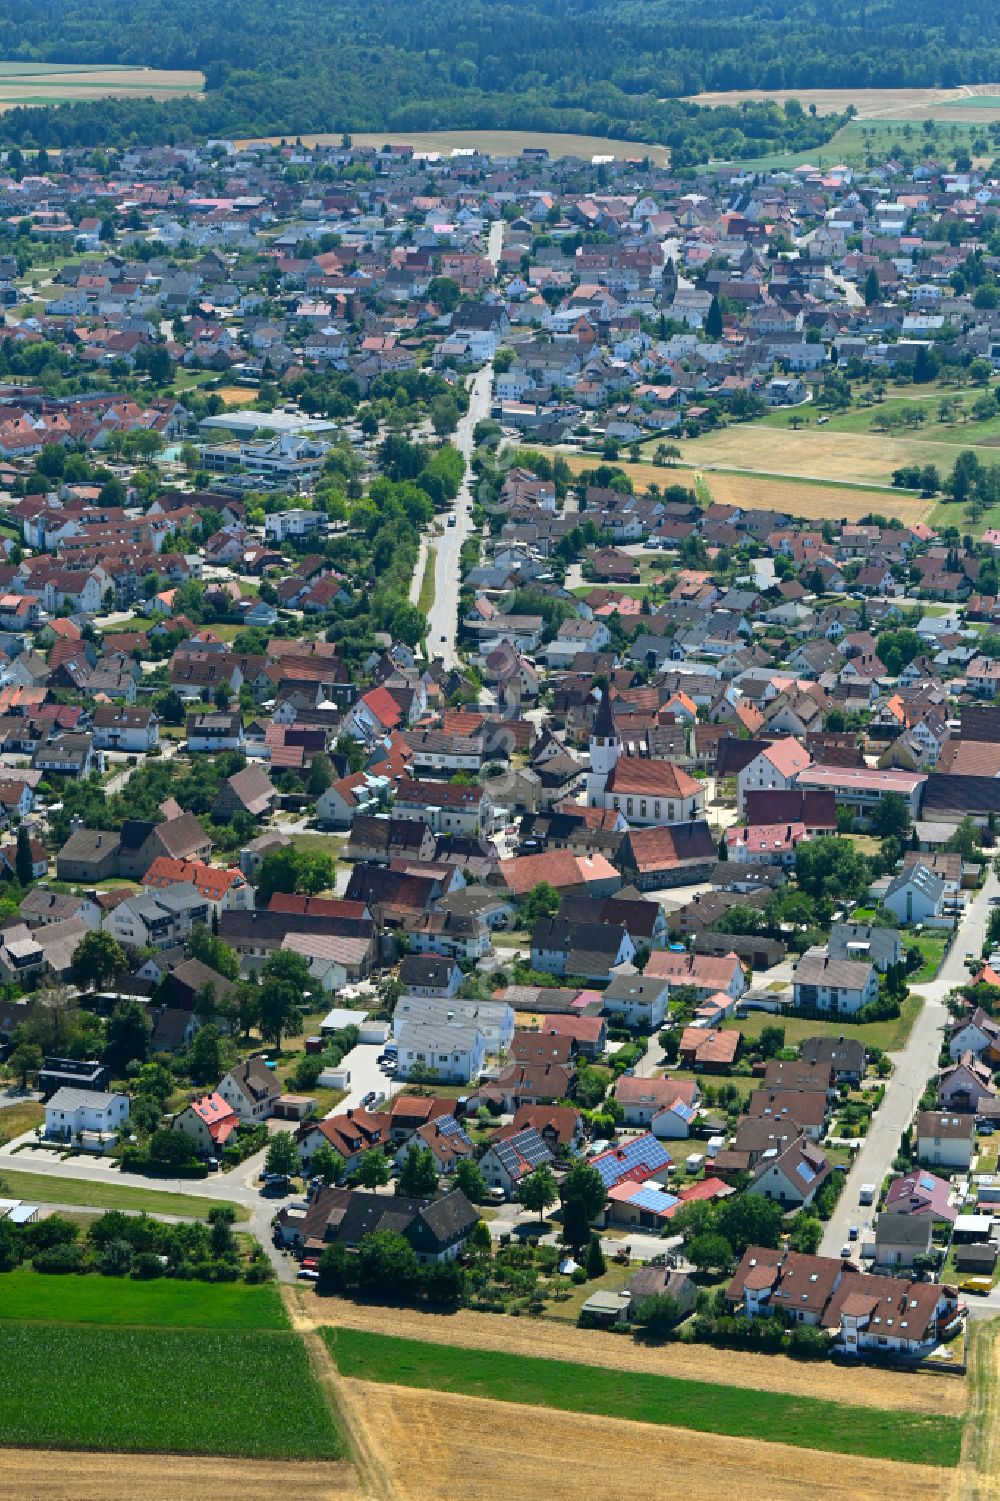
x=500, y=791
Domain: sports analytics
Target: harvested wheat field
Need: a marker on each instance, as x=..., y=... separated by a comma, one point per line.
x=40, y=1474
x=811, y=499
x=814, y=453
x=490, y=142
x=896, y=1390
x=51, y=84
x=436, y=1447
x=969, y=102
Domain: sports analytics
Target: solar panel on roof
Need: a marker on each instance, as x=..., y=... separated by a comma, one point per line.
x=927, y=1182
x=527, y=1146
x=448, y=1126
x=654, y=1198
x=643, y=1152
x=805, y=1172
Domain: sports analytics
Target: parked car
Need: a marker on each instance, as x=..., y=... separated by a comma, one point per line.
x=307, y=1274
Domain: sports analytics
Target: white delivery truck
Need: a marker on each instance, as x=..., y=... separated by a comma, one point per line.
x=867, y=1194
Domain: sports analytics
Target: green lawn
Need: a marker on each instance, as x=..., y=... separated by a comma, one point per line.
x=46, y=1188
x=890, y=1036
x=932, y=947
x=744, y=1085
x=700, y=1405
x=170, y=1303
x=189, y=1391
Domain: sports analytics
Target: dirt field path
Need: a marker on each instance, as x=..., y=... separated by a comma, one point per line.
x=369, y=1457
x=978, y=1475
x=899, y=1391
x=440, y=1447
x=53, y=1475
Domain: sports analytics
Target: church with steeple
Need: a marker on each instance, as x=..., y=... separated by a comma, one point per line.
x=647, y=792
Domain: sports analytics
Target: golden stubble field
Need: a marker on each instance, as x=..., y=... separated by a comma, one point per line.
x=53, y=1475
x=880, y=104
x=809, y=498
x=439, y=1447
x=817, y=453
x=492, y=142
x=64, y=84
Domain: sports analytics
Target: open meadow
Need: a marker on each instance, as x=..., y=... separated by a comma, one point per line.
x=54, y=83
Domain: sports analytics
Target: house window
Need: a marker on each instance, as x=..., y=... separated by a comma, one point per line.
x=642, y=808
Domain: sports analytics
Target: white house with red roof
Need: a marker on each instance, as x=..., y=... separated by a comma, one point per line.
x=764, y=843
x=774, y=769
x=209, y=1121
x=374, y=715
x=226, y=890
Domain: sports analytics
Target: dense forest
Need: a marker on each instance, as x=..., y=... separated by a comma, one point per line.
x=604, y=67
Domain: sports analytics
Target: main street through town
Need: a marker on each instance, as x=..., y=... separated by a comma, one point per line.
x=912, y=1067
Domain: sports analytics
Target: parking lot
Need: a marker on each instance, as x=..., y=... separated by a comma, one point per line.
x=366, y=1075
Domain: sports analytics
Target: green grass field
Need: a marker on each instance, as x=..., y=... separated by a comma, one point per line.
x=852, y=144
x=168, y=1304
x=700, y=1405
x=46, y=1188
x=890, y=1036
x=187, y=1391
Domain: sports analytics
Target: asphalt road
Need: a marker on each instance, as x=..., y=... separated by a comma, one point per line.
x=912, y=1068
x=442, y=626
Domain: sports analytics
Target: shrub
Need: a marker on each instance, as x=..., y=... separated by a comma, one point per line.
x=147, y=1265
x=807, y=1343
x=60, y=1259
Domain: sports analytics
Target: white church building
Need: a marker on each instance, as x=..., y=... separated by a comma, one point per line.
x=646, y=791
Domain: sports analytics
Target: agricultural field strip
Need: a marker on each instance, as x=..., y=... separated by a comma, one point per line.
x=40, y=1474
x=493, y=142
x=465, y=1450
x=168, y=1303
x=810, y=499
x=805, y=1422
x=907, y=1391
x=133, y=1389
